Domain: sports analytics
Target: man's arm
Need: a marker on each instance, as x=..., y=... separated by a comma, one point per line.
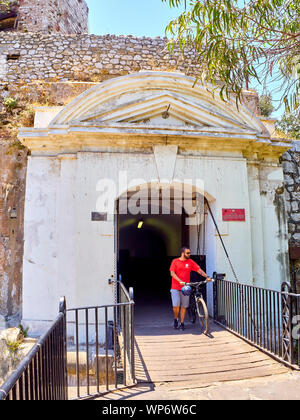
x=203, y=274
x=182, y=283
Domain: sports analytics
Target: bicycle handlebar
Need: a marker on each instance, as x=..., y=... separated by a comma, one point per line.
x=200, y=283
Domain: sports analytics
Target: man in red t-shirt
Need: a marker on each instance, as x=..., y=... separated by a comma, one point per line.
x=181, y=272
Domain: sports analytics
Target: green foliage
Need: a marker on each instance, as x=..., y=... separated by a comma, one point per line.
x=24, y=331
x=241, y=41
x=10, y=104
x=289, y=125
x=14, y=347
x=266, y=105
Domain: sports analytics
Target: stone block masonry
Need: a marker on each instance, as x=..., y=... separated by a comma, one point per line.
x=85, y=57
x=50, y=16
x=291, y=167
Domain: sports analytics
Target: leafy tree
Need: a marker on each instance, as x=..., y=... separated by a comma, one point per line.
x=266, y=105
x=239, y=41
x=289, y=125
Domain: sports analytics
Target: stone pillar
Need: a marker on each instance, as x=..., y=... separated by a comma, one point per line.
x=274, y=220
x=12, y=195
x=256, y=225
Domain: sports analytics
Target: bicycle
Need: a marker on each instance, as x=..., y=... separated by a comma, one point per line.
x=198, y=306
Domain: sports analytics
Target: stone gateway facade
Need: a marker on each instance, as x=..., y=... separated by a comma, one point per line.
x=79, y=109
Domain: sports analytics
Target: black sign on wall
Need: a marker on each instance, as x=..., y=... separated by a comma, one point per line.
x=99, y=217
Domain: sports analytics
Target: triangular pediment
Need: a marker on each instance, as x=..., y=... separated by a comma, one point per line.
x=156, y=99
x=147, y=109
x=162, y=108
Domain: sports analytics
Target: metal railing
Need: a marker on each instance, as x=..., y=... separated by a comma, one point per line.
x=101, y=347
x=126, y=324
x=265, y=318
x=42, y=374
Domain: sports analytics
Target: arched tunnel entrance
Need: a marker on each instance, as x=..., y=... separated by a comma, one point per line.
x=147, y=244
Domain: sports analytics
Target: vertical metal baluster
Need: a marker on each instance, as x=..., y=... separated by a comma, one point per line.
x=54, y=365
x=47, y=376
x=115, y=347
x=31, y=381
x=279, y=317
x=59, y=336
x=252, y=300
x=26, y=385
x=267, y=345
x=261, y=318
x=106, y=350
x=49, y=368
x=275, y=323
x=229, y=303
x=270, y=321
x=77, y=354
x=226, y=304
x=234, y=307
x=14, y=393
x=251, y=311
x=264, y=319
x=124, y=345
x=87, y=350
x=239, y=307
x=247, y=314
x=243, y=311
x=36, y=377
x=97, y=348
x=41, y=375
x=132, y=344
x=21, y=390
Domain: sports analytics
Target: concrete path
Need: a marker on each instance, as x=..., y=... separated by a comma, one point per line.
x=282, y=387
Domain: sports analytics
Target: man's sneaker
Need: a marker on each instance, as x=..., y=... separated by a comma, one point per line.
x=181, y=326
x=175, y=324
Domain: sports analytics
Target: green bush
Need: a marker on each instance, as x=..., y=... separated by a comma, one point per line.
x=10, y=104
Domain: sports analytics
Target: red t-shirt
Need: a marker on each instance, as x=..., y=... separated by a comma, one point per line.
x=183, y=270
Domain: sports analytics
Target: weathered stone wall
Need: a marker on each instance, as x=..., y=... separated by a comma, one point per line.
x=291, y=166
x=90, y=58
x=48, y=16
x=86, y=57
x=12, y=195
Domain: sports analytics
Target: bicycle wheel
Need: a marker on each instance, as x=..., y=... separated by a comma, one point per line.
x=192, y=311
x=203, y=314
x=192, y=314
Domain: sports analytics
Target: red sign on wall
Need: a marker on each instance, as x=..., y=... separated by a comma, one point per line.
x=234, y=215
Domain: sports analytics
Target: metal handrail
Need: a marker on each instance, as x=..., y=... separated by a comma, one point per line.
x=271, y=314
x=16, y=375
x=93, y=377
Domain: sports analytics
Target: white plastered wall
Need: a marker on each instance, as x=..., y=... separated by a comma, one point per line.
x=68, y=254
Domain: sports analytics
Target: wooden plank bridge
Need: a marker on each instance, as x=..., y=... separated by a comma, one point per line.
x=165, y=355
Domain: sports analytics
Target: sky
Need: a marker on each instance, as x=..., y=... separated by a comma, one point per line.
x=129, y=17
x=142, y=18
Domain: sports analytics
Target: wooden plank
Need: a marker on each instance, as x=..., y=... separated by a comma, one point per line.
x=188, y=342
x=170, y=351
x=222, y=376
x=228, y=361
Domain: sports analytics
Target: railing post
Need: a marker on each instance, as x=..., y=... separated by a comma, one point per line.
x=215, y=297
x=131, y=293
x=287, y=348
x=63, y=310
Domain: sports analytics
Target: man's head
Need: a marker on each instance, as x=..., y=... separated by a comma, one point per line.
x=185, y=253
